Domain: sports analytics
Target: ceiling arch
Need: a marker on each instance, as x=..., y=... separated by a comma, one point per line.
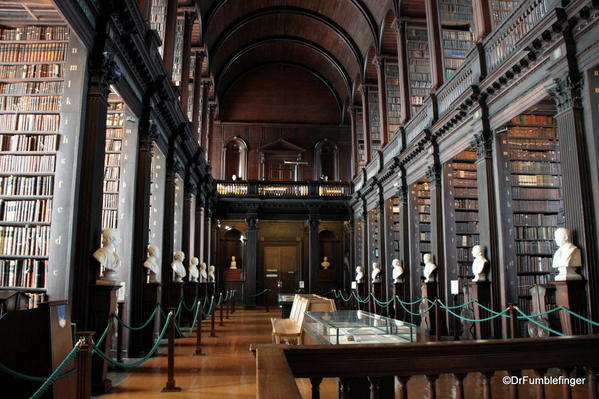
x=285, y=50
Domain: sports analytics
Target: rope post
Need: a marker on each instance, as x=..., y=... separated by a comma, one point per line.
x=83, y=364
x=233, y=303
x=170, y=381
x=266, y=300
x=198, y=351
x=437, y=321
x=513, y=322
x=228, y=305
x=119, y=333
x=212, y=327
x=221, y=300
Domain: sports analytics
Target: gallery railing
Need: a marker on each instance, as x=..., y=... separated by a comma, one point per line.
x=270, y=189
x=279, y=365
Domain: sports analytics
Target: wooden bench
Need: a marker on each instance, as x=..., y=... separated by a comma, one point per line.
x=291, y=329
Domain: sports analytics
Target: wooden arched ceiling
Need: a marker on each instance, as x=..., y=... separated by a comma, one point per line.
x=388, y=35
x=285, y=25
x=288, y=51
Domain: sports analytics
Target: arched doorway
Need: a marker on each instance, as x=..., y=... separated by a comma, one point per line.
x=234, y=159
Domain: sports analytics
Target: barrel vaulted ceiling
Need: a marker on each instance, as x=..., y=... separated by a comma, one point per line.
x=336, y=40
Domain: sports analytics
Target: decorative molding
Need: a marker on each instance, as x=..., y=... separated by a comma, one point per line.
x=483, y=144
x=566, y=93
x=433, y=173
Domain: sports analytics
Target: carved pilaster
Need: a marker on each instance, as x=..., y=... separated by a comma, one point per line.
x=483, y=144
x=566, y=93
x=434, y=173
x=251, y=261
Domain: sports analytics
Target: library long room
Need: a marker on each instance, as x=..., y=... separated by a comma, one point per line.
x=299, y=199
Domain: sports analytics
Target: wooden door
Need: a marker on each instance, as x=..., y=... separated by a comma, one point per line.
x=278, y=170
x=280, y=267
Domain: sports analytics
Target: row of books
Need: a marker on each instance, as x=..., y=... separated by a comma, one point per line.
x=111, y=186
x=115, y=120
x=53, y=87
x=468, y=173
x=112, y=159
x=110, y=219
x=527, y=264
x=114, y=133
x=456, y=11
x=26, y=186
x=32, y=71
x=467, y=216
x=424, y=208
x=26, y=273
x=465, y=166
x=548, y=156
x=44, y=52
x=30, y=103
x=535, y=233
x=457, y=35
x=467, y=240
x=112, y=172
x=536, y=193
x=21, y=142
x=27, y=163
x=526, y=283
x=454, y=58
x=113, y=145
x=116, y=105
x=532, y=119
x=467, y=227
x=464, y=255
x=24, y=241
x=533, y=133
x=30, y=122
x=535, y=167
x=465, y=271
x=535, y=247
x=466, y=203
x=536, y=206
x=465, y=192
x=35, y=32
x=535, y=220
x=463, y=182
x=110, y=201
x=26, y=211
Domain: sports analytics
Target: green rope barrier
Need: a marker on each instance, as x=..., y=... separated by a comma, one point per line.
x=580, y=316
x=473, y=320
x=491, y=310
x=410, y=303
x=146, y=323
x=192, y=307
x=210, y=309
x=26, y=377
x=343, y=298
x=54, y=376
x=179, y=307
x=261, y=293
x=195, y=316
x=382, y=303
x=105, y=333
x=537, y=323
x=365, y=300
x=462, y=305
x=415, y=313
x=96, y=350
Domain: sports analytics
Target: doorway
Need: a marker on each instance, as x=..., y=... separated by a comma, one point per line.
x=280, y=267
x=278, y=170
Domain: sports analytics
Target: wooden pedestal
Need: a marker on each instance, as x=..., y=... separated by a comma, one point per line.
x=103, y=305
x=572, y=295
x=376, y=289
x=361, y=293
x=480, y=291
x=175, y=294
x=399, y=312
x=191, y=297
x=427, y=320
x=143, y=340
x=233, y=274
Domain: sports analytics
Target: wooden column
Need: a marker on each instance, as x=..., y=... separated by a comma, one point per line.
x=354, y=141
x=379, y=62
x=145, y=8
x=487, y=220
x=313, y=255
x=186, y=60
x=204, y=114
x=199, y=228
x=102, y=73
x=383, y=226
x=366, y=121
x=433, y=25
x=434, y=174
x=404, y=78
x=209, y=128
x=251, y=253
x=141, y=222
x=168, y=228
x=482, y=18
x=404, y=239
x=214, y=227
x=186, y=244
x=170, y=34
x=207, y=236
x=198, y=94
x=576, y=179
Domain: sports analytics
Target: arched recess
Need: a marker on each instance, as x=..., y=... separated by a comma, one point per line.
x=326, y=160
x=234, y=158
x=233, y=245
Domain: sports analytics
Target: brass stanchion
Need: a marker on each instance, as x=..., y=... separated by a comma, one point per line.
x=83, y=363
x=212, y=327
x=233, y=303
x=437, y=321
x=119, y=336
x=221, y=323
x=228, y=305
x=513, y=322
x=170, y=380
x=198, y=351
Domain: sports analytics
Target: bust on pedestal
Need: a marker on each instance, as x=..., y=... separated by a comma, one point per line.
x=203, y=273
x=211, y=276
x=397, y=271
x=430, y=269
x=567, y=257
x=480, y=263
x=152, y=263
x=359, y=274
x=193, y=270
x=108, y=258
x=480, y=291
x=233, y=263
x=177, y=266
x=376, y=273
x=325, y=263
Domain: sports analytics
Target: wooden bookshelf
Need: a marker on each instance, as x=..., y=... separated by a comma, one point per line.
x=374, y=121
x=178, y=218
x=360, y=137
x=461, y=212
x=115, y=134
x=178, y=58
x=501, y=9
x=533, y=156
x=394, y=230
x=420, y=201
x=157, y=196
x=32, y=94
x=374, y=238
x=359, y=238
x=158, y=20
x=419, y=69
x=457, y=19
x=393, y=98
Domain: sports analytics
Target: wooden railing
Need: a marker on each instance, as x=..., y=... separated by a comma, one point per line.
x=465, y=77
x=292, y=189
x=279, y=365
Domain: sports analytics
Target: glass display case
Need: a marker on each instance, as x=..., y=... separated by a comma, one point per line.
x=357, y=327
x=285, y=303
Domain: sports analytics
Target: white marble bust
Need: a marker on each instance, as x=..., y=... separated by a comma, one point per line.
x=152, y=263
x=397, y=271
x=108, y=257
x=325, y=263
x=233, y=263
x=178, y=267
x=211, y=276
x=193, y=270
x=567, y=257
x=430, y=269
x=359, y=274
x=203, y=273
x=480, y=265
x=375, y=275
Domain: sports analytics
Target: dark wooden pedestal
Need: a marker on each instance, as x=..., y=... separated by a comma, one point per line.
x=361, y=293
x=375, y=288
x=143, y=340
x=480, y=291
x=427, y=320
x=572, y=295
x=398, y=312
x=359, y=388
x=191, y=295
x=104, y=298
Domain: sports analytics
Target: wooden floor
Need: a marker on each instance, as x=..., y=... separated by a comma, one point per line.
x=228, y=370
